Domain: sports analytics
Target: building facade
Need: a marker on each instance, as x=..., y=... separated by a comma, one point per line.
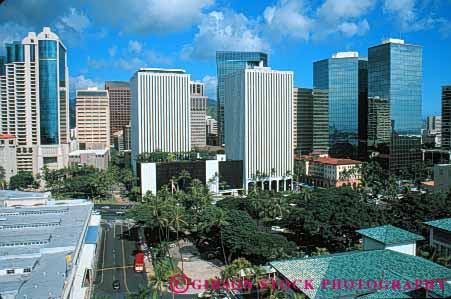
x=8, y=154
x=310, y=117
x=258, y=119
x=446, y=117
x=395, y=74
x=199, y=105
x=34, y=100
x=323, y=171
x=119, y=103
x=160, y=112
x=442, y=178
x=212, y=126
x=432, y=134
x=228, y=62
x=93, y=119
x=379, y=124
x=344, y=76
x=96, y=158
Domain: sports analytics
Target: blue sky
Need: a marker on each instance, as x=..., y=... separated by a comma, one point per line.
x=109, y=40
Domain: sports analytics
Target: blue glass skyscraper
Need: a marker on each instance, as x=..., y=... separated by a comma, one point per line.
x=344, y=76
x=228, y=62
x=395, y=73
x=34, y=100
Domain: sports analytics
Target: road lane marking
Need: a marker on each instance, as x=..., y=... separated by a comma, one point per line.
x=123, y=260
x=103, y=253
x=114, y=268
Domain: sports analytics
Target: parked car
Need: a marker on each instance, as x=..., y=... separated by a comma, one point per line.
x=116, y=285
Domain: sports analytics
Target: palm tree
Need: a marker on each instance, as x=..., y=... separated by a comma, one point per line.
x=177, y=221
x=221, y=221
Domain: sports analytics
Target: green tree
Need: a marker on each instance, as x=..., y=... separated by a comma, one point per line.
x=22, y=180
x=2, y=177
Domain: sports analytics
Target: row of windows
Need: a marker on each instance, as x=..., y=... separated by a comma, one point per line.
x=29, y=225
x=13, y=271
x=21, y=243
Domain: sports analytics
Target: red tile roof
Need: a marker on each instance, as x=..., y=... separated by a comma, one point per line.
x=7, y=136
x=327, y=160
x=334, y=161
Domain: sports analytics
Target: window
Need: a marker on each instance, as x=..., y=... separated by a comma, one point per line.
x=27, y=270
x=10, y=271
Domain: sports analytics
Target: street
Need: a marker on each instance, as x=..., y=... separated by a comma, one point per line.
x=115, y=261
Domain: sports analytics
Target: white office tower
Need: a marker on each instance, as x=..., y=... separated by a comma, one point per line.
x=258, y=122
x=160, y=112
x=199, y=106
x=92, y=114
x=34, y=100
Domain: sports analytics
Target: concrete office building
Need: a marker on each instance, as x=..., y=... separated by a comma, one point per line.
x=446, y=117
x=160, y=115
x=432, y=134
x=258, y=118
x=310, y=120
x=93, y=119
x=96, y=158
x=228, y=62
x=395, y=74
x=212, y=126
x=47, y=251
x=199, y=105
x=34, y=100
x=344, y=76
x=119, y=103
x=8, y=153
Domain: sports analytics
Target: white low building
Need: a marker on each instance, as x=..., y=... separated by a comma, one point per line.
x=390, y=237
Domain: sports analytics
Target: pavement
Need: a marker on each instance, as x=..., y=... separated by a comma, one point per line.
x=115, y=261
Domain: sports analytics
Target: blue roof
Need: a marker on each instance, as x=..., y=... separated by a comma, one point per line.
x=91, y=235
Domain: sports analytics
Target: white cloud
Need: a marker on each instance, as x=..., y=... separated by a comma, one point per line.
x=156, y=58
x=334, y=10
x=288, y=18
x=81, y=82
x=224, y=30
x=134, y=47
x=75, y=20
x=350, y=29
x=409, y=16
x=210, y=83
x=112, y=51
x=150, y=16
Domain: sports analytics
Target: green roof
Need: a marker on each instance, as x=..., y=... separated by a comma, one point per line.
x=444, y=224
x=355, y=265
x=389, y=234
x=384, y=294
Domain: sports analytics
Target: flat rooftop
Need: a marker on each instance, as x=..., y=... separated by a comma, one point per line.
x=34, y=244
x=84, y=152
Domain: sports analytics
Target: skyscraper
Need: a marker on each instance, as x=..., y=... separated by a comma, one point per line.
x=258, y=119
x=310, y=125
x=160, y=111
x=199, y=104
x=120, y=102
x=395, y=74
x=446, y=117
x=92, y=114
x=344, y=76
x=34, y=100
x=228, y=62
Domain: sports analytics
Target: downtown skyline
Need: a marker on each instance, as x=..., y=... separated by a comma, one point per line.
x=294, y=35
